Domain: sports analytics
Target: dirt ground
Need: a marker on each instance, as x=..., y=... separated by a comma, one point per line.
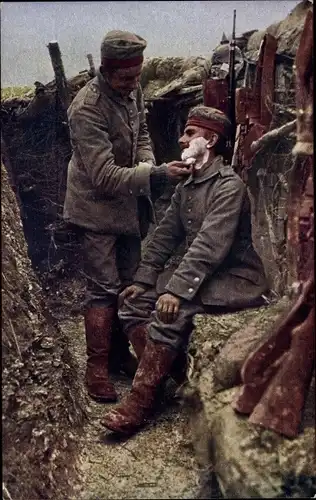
x=158, y=462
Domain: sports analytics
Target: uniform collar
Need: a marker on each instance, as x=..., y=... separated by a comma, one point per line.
x=212, y=168
x=113, y=94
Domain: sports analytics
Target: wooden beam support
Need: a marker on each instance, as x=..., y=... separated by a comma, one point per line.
x=58, y=67
x=91, y=65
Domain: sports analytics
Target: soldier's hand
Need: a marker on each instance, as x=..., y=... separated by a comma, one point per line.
x=177, y=170
x=130, y=292
x=167, y=307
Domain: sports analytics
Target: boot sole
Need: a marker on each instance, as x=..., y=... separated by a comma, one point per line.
x=126, y=432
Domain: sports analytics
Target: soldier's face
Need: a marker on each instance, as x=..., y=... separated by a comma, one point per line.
x=125, y=80
x=191, y=132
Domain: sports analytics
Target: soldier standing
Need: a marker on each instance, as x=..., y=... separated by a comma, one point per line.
x=111, y=178
x=220, y=270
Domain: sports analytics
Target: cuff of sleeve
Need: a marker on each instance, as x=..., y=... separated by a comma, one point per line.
x=146, y=276
x=142, y=180
x=160, y=170
x=158, y=178
x=180, y=287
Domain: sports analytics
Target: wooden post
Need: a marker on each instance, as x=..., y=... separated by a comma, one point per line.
x=91, y=65
x=61, y=82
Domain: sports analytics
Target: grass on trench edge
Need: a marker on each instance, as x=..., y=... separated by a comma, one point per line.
x=10, y=92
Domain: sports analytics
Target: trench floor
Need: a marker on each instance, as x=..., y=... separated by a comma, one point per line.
x=156, y=463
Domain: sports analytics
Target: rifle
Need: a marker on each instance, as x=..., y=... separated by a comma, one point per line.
x=277, y=376
x=253, y=107
x=219, y=93
x=232, y=84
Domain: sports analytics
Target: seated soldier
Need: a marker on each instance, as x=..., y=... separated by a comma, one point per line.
x=220, y=270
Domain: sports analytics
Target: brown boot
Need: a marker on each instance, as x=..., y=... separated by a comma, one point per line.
x=154, y=365
x=138, y=337
x=98, y=324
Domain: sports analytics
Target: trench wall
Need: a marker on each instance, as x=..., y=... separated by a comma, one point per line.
x=38, y=151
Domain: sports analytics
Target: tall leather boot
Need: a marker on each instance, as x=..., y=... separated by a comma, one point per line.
x=138, y=338
x=98, y=325
x=154, y=365
x=120, y=358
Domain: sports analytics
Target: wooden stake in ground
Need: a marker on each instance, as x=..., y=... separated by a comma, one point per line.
x=58, y=67
x=91, y=65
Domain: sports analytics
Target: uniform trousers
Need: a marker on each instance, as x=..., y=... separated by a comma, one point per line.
x=176, y=335
x=109, y=263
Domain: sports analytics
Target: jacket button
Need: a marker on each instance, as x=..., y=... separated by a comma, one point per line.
x=190, y=290
x=130, y=191
x=189, y=197
x=196, y=279
x=130, y=111
x=141, y=191
x=189, y=209
x=132, y=123
x=189, y=221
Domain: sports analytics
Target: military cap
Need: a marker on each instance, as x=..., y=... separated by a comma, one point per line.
x=210, y=119
x=122, y=49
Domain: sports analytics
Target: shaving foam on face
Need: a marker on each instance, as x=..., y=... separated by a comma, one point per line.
x=196, y=154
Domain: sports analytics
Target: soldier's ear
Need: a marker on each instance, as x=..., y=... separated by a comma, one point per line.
x=212, y=140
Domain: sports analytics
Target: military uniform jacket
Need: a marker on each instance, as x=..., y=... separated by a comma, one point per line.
x=212, y=214
x=108, y=136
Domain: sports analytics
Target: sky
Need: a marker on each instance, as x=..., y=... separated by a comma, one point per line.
x=171, y=28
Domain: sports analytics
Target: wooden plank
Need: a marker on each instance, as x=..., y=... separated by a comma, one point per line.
x=58, y=67
x=92, y=71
